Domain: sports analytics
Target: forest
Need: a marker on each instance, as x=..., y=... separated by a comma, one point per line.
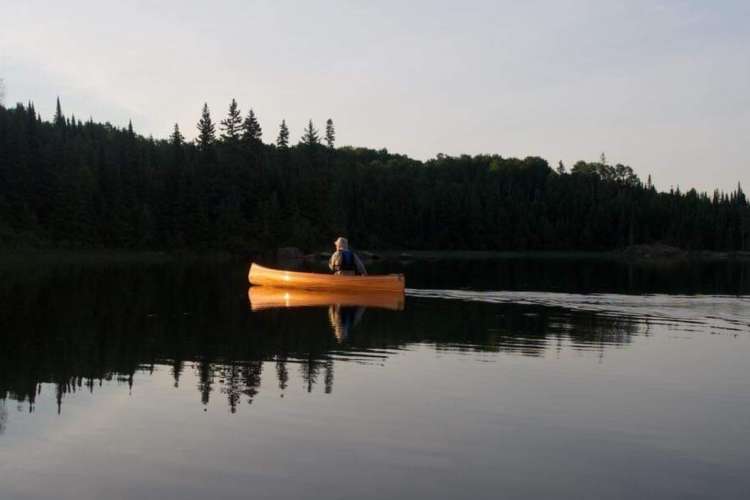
x=66, y=183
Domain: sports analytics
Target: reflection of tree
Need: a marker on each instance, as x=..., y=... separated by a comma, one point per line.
x=205, y=380
x=581, y=276
x=309, y=369
x=232, y=385
x=177, y=367
x=251, y=373
x=75, y=327
x=3, y=416
x=281, y=372
x=329, y=376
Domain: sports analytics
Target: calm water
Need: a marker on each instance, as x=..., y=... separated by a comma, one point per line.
x=508, y=379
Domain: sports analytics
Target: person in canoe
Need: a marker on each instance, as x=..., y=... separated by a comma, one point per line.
x=344, y=261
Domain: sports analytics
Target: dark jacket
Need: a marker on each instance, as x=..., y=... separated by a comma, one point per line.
x=336, y=264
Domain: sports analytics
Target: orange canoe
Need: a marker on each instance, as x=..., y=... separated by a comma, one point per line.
x=266, y=297
x=265, y=276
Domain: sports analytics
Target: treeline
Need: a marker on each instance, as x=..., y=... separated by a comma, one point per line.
x=74, y=184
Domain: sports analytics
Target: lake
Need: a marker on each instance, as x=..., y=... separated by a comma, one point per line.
x=517, y=378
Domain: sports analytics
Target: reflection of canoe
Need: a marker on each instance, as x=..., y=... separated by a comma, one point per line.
x=314, y=281
x=264, y=297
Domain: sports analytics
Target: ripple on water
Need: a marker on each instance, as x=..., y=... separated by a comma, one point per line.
x=716, y=312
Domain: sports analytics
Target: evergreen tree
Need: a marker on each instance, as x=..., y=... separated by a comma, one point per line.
x=232, y=124
x=310, y=137
x=330, y=133
x=251, y=130
x=741, y=199
x=206, y=130
x=176, y=139
x=59, y=118
x=283, y=140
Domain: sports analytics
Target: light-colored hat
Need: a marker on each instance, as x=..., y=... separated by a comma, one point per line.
x=341, y=242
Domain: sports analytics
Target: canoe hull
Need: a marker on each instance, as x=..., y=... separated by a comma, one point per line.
x=264, y=276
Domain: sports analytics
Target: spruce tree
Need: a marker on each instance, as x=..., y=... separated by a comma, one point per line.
x=283, y=140
x=251, y=131
x=206, y=130
x=231, y=126
x=310, y=137
x=59, y=118
x=330, y=133
x=251, y=134
x=176, y=139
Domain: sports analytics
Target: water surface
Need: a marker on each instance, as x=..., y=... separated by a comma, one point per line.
x=567, y=379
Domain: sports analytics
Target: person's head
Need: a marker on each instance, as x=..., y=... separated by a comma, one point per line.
x=341, y=243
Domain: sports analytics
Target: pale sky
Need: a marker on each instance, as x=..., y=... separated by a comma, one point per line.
x=661, y=86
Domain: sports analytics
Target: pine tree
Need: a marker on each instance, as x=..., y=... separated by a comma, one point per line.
x=231, y=126
x=2, y=92
x=251, y=131
x=283, y=140
x=206, y=130
x=330, y=133
x=310, y=137
x=59, y=118
x=176, y=139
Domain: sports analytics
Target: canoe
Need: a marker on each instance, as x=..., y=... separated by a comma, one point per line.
x=264, y=276
x=266, y=297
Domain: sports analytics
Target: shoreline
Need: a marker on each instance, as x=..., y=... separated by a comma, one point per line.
x=619, y=255
x=63, y=255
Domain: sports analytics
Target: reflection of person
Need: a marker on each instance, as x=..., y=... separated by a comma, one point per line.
x=344, y=261
x=343, y=319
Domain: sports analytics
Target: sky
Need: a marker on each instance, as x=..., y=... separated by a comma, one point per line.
x=661, y=86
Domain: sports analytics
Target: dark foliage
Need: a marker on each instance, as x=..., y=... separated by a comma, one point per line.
x=108, y=321
x=68, y=183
